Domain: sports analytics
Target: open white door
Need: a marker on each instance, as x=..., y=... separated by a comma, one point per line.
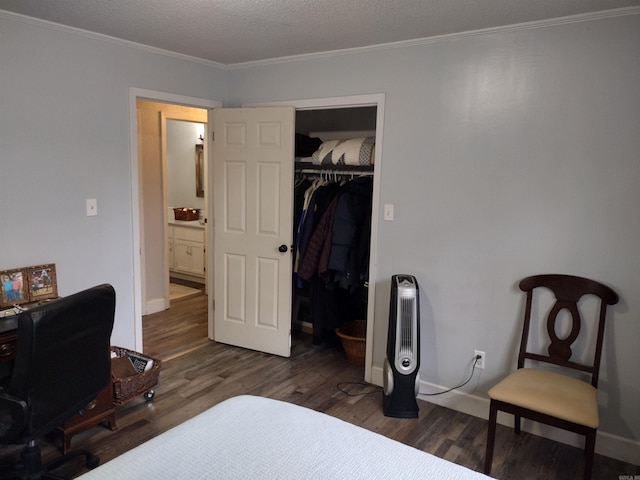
x=253, y=152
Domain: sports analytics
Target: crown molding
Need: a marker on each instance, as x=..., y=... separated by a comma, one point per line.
x=108, y=39
x=552, y=22
x=584, y=17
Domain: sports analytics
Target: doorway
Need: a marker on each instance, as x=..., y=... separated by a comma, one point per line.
x=150, y=209
x=183, y=153
x=173, y=243
x=376, y=103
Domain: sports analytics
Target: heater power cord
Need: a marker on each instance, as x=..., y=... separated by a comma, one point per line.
x=375, y=389
x=473, y=369
x=371, y=388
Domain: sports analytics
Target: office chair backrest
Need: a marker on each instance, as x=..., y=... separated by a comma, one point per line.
x=568, y=291
x=63, y=356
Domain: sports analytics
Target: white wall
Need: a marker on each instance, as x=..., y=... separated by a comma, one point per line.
x=181, y=168
x=506, y=154
x=64, y=137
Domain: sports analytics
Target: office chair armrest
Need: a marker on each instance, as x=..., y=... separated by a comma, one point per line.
x=14, y=413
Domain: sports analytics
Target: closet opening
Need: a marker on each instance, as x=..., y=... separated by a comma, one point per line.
x=333, y=205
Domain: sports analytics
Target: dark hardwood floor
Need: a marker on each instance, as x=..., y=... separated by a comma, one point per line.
x=197, y=374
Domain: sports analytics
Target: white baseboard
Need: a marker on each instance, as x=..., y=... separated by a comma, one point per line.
x=155, y=305
x=609, y=445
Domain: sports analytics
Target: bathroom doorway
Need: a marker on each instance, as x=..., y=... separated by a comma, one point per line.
x=168, y=136
x=186, y=213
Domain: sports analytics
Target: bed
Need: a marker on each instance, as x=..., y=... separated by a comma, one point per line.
x=249, y=437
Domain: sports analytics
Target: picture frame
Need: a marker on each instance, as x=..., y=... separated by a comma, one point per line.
x=43, y=283
x=13, y=287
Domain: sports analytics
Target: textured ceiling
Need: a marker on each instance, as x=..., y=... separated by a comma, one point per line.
x=236, y=31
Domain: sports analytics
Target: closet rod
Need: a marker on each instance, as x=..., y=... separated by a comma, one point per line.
x=318, y=171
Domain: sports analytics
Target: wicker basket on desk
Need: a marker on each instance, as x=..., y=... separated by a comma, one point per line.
x=127, y=388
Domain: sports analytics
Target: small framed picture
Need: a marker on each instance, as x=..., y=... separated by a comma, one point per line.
x=14, y=289
x=42, y=282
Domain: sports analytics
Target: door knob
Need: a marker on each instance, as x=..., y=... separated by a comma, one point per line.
x=282, y=248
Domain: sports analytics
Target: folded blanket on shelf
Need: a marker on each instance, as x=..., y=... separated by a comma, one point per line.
x=354, y=151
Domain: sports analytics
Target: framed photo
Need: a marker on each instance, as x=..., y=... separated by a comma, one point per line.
x=42, y=282
x=14, y=289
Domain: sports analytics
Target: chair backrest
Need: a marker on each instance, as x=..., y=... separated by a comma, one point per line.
x=63, y=356
x=568, y=290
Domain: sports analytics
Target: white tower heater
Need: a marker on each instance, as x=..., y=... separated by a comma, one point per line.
x=401, y=377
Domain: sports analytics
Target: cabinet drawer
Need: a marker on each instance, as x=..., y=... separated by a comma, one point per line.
x=191, y=234
x=94, y=411
x=7, y=347
x=99, y=411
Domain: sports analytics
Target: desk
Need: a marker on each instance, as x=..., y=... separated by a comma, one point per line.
x=8, y=327
x=98, y=411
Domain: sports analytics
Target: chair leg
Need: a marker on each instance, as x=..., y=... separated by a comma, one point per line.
x=589, y=452
x=91, y=460
x=491, y=436
x=517, y=423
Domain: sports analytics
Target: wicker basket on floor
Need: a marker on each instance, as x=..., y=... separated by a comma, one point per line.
x=127, y=388
x=353, y=336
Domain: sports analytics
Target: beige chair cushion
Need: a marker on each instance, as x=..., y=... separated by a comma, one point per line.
x=550, y=393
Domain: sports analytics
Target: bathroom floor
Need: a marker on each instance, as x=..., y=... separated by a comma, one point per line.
x=182, y=288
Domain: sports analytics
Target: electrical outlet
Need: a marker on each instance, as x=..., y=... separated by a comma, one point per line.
x=479, y=361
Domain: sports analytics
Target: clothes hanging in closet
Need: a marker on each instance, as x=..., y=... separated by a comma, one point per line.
x=332, y=251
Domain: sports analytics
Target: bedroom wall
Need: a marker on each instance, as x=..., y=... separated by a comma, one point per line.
x=64, y=137
x=506, y=153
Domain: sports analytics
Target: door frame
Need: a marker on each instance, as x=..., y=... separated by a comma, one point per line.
x=136, y=201
x=354, y=101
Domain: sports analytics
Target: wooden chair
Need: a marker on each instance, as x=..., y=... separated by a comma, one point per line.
x=548, y=396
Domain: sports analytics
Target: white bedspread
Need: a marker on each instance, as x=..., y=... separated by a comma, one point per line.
x=250, y=437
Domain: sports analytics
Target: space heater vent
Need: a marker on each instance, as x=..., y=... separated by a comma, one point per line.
x=406, y=337
x=405, y=358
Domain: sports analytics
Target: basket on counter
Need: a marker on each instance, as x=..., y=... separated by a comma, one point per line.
x=131, y=384
x=353, y=336
x=186, y=214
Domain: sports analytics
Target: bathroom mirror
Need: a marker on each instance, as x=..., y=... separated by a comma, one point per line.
x=199, y=170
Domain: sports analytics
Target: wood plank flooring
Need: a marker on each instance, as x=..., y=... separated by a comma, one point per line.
x=197, y=374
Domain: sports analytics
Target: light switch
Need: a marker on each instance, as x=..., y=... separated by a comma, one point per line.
x=388, y=211
x=92, y=207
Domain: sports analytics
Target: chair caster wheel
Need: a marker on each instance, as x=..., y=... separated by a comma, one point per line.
x=149, y=395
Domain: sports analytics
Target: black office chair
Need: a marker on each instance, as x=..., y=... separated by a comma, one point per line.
x=62, y=363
